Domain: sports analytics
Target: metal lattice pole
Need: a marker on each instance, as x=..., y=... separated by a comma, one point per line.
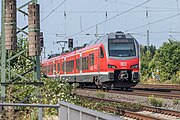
x=7, y=47
x=3, y=52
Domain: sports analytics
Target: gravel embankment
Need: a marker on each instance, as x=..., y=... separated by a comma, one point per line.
x=167, y=103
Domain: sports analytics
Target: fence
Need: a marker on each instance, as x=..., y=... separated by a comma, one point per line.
x=68, y=111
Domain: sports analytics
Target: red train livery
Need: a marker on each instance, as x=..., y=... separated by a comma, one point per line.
x=111, y=61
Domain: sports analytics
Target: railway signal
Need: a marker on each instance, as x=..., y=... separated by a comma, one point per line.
x=70, y=43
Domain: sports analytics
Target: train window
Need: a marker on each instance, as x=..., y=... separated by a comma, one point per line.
x=77, y=64
x=58, y=67
x=90, y=59
x=72, y=65
x=69, y=66
x=85, y=63
x=93, y=59
x=63, y=66
x=101, y=52
x=54, y=67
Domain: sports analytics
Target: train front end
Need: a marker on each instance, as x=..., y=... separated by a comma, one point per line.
x=123, y=60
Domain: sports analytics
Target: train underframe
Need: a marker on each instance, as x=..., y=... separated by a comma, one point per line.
x=111, y=80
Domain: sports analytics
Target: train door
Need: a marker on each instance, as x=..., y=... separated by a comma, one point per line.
x=77, y=64
x=64, y=65
x=61, y=67
x=99, y=63
x=54, y=68
x=80, y=63
x=96, y=61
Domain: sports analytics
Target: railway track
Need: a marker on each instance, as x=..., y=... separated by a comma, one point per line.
x=157, y=87
x=140, y=115
x=167, y=95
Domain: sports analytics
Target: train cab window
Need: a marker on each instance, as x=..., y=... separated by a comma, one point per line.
x=101, y=53
x=121, y=47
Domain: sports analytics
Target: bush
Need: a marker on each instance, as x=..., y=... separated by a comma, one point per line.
x=175, y=101
x=100, y=94
x=157, y=102
x=176, y=78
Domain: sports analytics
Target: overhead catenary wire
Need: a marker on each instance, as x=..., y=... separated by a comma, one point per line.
x=128, y=4
x=112, y=17
x=172, y=16
x=53, y=10
x=102, y=12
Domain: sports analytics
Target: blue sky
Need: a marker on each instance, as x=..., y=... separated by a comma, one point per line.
x=162, y=21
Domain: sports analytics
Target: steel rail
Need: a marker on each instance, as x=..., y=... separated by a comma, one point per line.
x=151, y=86
x=162, y=111
x=167, y=95
x=130, y=114
x=146, y=108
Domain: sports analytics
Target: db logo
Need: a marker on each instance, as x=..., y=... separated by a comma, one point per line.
x=123, y=63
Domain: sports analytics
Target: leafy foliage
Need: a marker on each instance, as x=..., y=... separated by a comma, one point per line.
x=146, y=57
x=100, y=94
x=166, y=59
x=176, y=101
x=157, y=102
x=100, y=105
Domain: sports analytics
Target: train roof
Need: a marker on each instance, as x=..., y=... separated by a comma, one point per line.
x=92, y=44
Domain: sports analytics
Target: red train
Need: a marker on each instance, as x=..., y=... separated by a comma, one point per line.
x=111, y=61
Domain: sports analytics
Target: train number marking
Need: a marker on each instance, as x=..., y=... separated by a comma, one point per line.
x=123, y=63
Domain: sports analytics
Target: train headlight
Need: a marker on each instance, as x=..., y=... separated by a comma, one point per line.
x=135, y=66
x=111, y=66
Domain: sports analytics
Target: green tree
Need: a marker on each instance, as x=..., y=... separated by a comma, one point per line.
x=146, y=57
x=167, y=59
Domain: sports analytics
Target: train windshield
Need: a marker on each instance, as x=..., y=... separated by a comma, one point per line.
x=121, y=47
